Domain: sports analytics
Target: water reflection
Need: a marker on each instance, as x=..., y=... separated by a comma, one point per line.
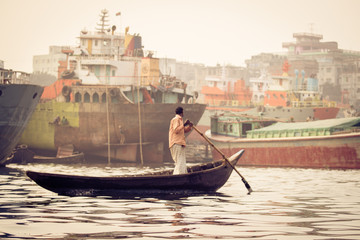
x=285, y=204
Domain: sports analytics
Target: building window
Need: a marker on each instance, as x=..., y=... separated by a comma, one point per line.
x=103, y=98
x=96, y=98
x=96, y=42
x=86, y=97
x=328, y=70
x=77, y=97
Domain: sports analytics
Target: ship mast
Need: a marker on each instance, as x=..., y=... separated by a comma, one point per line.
x=103, y=26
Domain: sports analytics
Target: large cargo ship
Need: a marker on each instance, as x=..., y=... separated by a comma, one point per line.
x=331, y=143
x=18, y=100
x=110, y=101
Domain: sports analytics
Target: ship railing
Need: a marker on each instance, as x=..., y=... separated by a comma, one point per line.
x=319, y=103
x=345, y=131
x=8, y=76
x=228, y=103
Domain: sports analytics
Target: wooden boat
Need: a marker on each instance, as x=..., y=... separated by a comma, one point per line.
x=331, y=143
x=65, y=155
x=201, y=178
x=70, y=159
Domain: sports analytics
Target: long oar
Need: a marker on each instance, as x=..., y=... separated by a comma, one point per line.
x=247, y=185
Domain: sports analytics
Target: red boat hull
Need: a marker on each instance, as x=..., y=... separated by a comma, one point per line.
x=335, y=151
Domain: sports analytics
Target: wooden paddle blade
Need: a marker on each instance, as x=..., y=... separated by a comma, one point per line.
x=247, y=185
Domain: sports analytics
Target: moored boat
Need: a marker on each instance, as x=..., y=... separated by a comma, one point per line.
x=332, y=143
x=201, y=178
x=65, y=155
x=71, y=159
x=18, y=100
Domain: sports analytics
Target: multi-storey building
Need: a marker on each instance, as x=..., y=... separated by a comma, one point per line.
x=350, y=80
x=264, y=62
x=336, y=67
x=49, y=63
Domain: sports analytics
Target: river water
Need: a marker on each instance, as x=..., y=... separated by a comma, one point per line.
x=287, y=203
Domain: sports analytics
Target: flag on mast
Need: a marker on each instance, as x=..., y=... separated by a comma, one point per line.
x=118, y=13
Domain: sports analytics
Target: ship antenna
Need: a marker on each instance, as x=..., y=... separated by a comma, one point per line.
x=103, y=24
x=311, y=26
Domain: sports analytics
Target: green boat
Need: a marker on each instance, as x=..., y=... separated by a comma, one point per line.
x=331, y=143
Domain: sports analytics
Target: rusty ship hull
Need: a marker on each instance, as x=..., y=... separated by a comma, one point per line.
x=87, y=125
x=338, y=151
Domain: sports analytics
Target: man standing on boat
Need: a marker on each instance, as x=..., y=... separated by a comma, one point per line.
x=177, y=142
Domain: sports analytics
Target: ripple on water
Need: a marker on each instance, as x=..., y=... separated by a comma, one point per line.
x=286, y=204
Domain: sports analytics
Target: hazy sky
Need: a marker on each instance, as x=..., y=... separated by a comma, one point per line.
x=197, y=31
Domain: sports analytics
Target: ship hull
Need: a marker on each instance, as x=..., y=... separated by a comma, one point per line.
x=301, y=114
x=88, y=125
x=17, y=103
x=335, y=151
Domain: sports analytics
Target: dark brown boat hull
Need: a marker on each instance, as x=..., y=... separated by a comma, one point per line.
x=201, y=178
